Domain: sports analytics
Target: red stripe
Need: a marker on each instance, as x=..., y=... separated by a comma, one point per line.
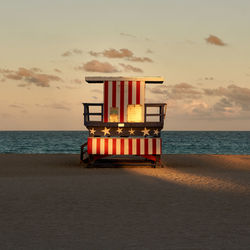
x=98, y=142
x=130, y=146
x=146, y=146
x=114, y=94
x=129, y=92
x=114, y=146
x=106, y=100
x=122, y=146
x=122, y=101
x=137, y=92
x=106, y=146
x=154, y=146
x=90, y=146
x=138, y=146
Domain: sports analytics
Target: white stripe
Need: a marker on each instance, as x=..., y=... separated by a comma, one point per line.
x=158, y=146
x=133, y=146
x=142, y=93
x=134, y=92
x=118, y=89
x=125, y=100
x=118, y=104
x=126, y=146
x=150, y=145
x=110, y=146
x=118, y=146
x=106, y=104
x=142, y=146
x=109, y=97
x=94, y=146
x=101, y=146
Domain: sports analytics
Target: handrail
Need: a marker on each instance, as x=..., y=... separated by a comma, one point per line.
x=161, y=114
x=86, y=112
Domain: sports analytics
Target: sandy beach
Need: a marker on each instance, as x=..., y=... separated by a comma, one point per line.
x=194, y=202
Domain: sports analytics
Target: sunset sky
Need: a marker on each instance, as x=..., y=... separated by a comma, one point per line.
x=201, y=48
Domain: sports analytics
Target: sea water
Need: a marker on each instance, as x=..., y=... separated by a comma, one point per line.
x=173, y=142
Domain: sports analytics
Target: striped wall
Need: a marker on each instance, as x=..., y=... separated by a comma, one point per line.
x=124, y=146
x=120, y=94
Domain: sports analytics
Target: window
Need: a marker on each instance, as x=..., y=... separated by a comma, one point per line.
x=135, y=113
x=113, y=117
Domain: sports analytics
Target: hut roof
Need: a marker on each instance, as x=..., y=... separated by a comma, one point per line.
x=147, y=79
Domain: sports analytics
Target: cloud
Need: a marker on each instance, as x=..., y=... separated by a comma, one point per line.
x=197, y=108
x=30, y=76
x=207, y=78
x=140, y=59
x=97, y=66
x=5, y=71
x=121, y=53
x=149, y=51
x=36, y=69
x=54, y=106
x=19, y=108
x=231, y=102
x=67, y=53
x=92, y=53
x=113, y=53
x=215, y=40
x=15, y=106
x=131, y=68
x=180, y=91
x=184, y=91
x=58, y=70
x=71, y=52
x=77, y=51
x=77, y=81
x=224, y=104
x=233, y=94
x=126, y=34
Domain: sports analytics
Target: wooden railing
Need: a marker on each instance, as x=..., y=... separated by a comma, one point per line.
x=87, y=113
x=161, y=114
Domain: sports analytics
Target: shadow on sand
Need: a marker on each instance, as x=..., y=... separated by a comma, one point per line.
x=50, y=202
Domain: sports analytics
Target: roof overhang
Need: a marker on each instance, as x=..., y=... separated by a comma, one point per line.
x=147, y=80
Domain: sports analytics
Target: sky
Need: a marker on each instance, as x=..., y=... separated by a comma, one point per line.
x=200, y=47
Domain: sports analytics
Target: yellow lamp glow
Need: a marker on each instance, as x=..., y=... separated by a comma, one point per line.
x=135, y=113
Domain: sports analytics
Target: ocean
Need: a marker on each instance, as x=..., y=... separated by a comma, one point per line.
x=174, y=142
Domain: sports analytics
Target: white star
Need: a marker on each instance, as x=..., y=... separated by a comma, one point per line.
x=131, y=131
x=92, y=131
x=119, y=130
x=145, y=131
x=106, y=131
x=156, y=131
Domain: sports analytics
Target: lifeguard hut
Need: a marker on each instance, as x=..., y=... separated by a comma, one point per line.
x=124, y=125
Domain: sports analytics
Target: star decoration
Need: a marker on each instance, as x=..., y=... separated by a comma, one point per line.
x=119, y=130
x=156, y=131
x=145, y=131
x=131, y=131
x=106, y=131
x=92, y=131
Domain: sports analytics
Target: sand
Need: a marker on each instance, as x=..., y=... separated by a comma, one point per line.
x=194, y=202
